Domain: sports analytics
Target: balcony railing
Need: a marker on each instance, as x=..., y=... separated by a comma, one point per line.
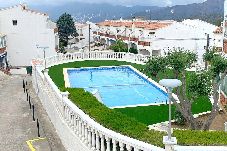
x=2, y=50
x=144, y=43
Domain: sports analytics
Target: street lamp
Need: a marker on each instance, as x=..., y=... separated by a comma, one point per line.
x=170, y=84
x=44, y=53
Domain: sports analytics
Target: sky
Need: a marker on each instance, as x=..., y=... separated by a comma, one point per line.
x=4, y=3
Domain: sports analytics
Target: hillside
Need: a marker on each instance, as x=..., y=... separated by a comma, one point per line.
x=211, y=11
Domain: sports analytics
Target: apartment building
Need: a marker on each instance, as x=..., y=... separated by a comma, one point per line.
x=159, y=37
x=25, y=29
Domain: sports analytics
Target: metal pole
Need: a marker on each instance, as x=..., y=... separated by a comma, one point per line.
x=33, y=112
x=38, y=127
x=44, y=56
x=89, y=38
x=24, y=86
x=29, y=101
x=27, y=95
x=207, y=49
x=170, y=96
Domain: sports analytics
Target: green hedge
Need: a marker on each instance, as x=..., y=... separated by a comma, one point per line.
x=114, y=120
x=200, y=138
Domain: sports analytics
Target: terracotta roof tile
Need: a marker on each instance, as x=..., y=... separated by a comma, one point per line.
x=218, y=30
x=137, y=24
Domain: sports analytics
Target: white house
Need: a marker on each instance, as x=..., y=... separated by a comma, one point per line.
x=82, y=40
x=189, y=35
x=25, y=29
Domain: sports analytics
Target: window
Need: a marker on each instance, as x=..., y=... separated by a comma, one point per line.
x=151, y=33
x=14, y=22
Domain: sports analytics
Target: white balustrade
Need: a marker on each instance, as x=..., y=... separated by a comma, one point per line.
x=97, y=141
x=102, y=143
x=93, y=135
x=93, y=139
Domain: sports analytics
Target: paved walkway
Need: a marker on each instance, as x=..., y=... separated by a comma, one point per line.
x=17, y=129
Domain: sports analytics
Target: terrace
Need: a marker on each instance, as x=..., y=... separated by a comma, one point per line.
x=108, y=129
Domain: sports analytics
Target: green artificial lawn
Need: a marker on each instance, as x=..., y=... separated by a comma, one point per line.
x=147, y=115
x=156, y=114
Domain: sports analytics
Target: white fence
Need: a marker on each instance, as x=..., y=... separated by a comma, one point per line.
x=77, y=130
x=103, y=55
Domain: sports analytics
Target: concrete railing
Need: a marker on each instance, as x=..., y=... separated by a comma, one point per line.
x=96, y=55
x=76, y=129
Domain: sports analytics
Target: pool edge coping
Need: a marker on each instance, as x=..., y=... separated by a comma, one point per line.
x=67, y=84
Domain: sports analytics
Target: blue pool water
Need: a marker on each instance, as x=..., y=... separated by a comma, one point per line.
x=117, y=86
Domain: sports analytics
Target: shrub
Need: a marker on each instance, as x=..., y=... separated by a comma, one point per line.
x=179, y=118
x=192, y=137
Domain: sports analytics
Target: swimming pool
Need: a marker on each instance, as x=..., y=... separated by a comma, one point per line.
x=117, y=86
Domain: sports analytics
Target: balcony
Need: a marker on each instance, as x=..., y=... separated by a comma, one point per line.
x=2, y=43
x=2, y=50
x=101, y=34
x=144, y=43
x=134, y=39
x=112, y=36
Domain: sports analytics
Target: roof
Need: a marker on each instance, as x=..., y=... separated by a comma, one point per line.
x=138, y=24
x=80, y=25
x=24, y=8
x=219, y=30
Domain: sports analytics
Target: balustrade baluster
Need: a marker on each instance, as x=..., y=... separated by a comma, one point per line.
x=128, y=147
x=86, y=134
x=97, y=142
x=136, y=149
x=114, y=145
x=107, y=144
x=76, y=125
x=89, y=138
x=80, y=128
x=93, y=142
x=83, y=131
x=71, y=120
x=121, y=146
x=102, y=143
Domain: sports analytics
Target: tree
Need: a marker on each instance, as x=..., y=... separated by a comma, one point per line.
x=179, y=60
x=66, y=28
x=203, y=83
x=155, y=65
x=119, y=46
x=133, y=50
x=218, y=72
